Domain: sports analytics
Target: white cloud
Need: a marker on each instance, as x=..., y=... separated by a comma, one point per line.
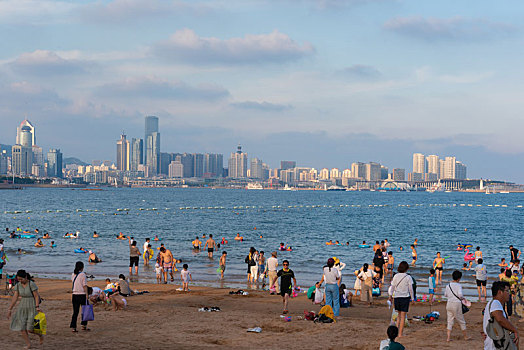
x=455, y=28
x=156, y=88
x=185, y=45
x=261, y=106
x=38, y=11
x=134, y=10
x=47, y=63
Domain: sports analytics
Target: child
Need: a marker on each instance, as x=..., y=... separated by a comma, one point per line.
x=391, y=344
x=345, y=296
x=110, y=287
x=357, y=286
x=391, y=262
x=185, y=276
x=319, y=295
x=431, y=285
x=118, y=301
x=503, y=263
x=158, y=271
x=465, y=267
x=222, y=264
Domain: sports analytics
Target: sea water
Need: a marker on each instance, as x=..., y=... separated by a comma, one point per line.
x=305, y=220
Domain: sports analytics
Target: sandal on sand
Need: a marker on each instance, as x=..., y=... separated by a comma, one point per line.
x=285, y=312
x=74, y=330
x=85, y=329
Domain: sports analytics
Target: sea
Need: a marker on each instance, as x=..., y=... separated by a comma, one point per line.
x=304, y=220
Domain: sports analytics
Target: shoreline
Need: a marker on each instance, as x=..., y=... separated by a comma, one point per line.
x=166, y=318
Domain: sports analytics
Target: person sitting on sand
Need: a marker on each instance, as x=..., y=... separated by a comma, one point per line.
x=39, y=243
x=118, y=302
x=46, y=236
x=390, y=343
x=238, y=237
x=93, y=258
x=95, y=235
x=123, y=286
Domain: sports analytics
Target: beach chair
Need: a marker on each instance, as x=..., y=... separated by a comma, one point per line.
x=10, y=281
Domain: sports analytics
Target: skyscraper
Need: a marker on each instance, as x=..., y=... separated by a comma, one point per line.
x=153, y=153
x=213, y=165
x=186, y=160
x=54, y=163
x=21, y=160
x=433, y=166
x=287, y=164
x=419, y=163
x=238, y=164
x=137, y=153
x=358, y=170
x=152, y=146
x=198, y=165
x=122, y=153
x=257, y=169
x=28, y=127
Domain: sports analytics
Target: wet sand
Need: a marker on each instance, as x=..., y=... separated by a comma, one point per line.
x=168, y=319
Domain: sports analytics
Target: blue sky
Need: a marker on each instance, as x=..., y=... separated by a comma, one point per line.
x=323, y=82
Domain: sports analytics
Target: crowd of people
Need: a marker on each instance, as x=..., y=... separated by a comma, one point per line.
x=507, y=292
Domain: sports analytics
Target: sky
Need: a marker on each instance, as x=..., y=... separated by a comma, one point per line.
x=322, y=82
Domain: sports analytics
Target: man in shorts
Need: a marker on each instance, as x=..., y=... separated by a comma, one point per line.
x=515, y=253
x=211, y=245
x=167, y=260
x=438, y=265
x=481, y=275
x=286, y=287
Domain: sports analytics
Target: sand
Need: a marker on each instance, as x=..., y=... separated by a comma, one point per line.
x=168, y=319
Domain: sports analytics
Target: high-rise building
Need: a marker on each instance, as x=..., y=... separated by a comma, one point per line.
x=137, y=153
x=449, y=167
x=346, y=173
x=334, y=173
x=433, y=165
x=399, y=174
x=324, y=174
x=28, y=127
x=152, y=144
x=373, y=171
x=186, y=160
x=3, y=162
x=238, y=164
x=358, y=170
x=54, y=163
x=384, y=172
x=21, y=160
x=122, y=154
x=442, y=168
x=165, y=161
x=213, y=165
x=257, y=169
x=460, y=171
x=419, y=163
x=153, y=152
x=176, y=169
x=287, y=164
x=198, y=165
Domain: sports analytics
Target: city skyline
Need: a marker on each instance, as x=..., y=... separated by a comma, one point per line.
x=324, y=82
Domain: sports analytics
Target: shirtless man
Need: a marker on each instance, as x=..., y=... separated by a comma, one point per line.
x=210, y=244
x=166, y=258
x=438, y=265
x=413, y=255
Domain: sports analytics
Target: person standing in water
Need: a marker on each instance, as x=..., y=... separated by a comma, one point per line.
x=211, y=245
x=438, y=265
x=413, y=254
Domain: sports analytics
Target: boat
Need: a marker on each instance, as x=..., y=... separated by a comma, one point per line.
x=335, y=188
x=254, y=186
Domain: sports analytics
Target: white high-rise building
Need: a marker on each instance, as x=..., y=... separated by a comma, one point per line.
x=419, y=163
x=238, y=164
x=346, y=173
x=433, y=164
x=334, y=173
x=358, y=170
x=449, y=167
x=324, y=174
x=29, y=127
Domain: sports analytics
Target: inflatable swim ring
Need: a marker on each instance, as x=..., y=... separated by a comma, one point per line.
x=79, y=251
x=363, y=245
x=27, y=236
x=53, y=245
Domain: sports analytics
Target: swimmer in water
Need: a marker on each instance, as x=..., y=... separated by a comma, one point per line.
x=46, y=235
x=156, y=238
x=401, y=248
x=328, y=243
x=196, y=243
x=503, y=263
x=39, y=243
x=416, y=242
x=120, y=236
x=282, y=247
x=337, y=243
x=53, y=244
x=95, y=235
x=238, y=237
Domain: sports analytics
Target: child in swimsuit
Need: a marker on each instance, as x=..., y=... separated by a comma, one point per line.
x=413, y=254
x=185, y=276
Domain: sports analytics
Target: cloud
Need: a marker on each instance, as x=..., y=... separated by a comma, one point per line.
x=38, y=11
x=24, y=97
x=152, y=87
x=262, y=106
x=455, y=28
x=47, y=63
x=361, y=72
x=133, y=10
x=185, y=45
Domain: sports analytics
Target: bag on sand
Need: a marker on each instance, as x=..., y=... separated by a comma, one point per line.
x=325, y=315
x=502, y=338
x=87, y=312
x=384, y=344
x=40, y=324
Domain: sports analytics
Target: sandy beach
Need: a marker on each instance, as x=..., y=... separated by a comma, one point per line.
x=168, y=319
